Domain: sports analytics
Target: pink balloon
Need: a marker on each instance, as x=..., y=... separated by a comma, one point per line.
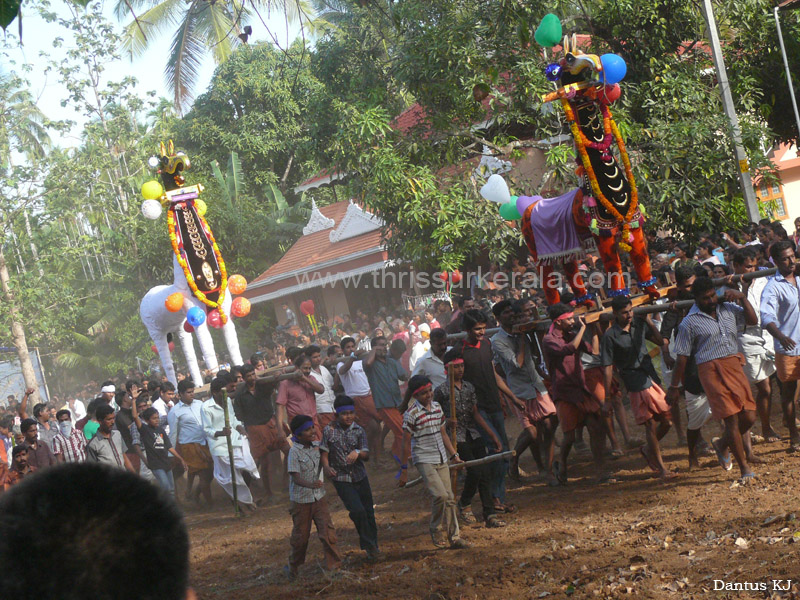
x=187, y=327
x=172, y=346
x=214, y=320
x=154, y=349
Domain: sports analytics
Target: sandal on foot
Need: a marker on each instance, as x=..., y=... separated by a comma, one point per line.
x=494, y=521
x=667, y=476
x=618, y=453
x=465, y=514
x=725, y=463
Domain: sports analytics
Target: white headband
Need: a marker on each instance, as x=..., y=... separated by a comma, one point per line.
x=108, y=389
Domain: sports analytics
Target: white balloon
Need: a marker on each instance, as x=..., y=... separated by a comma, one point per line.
x=151, y=209
x=496, y=190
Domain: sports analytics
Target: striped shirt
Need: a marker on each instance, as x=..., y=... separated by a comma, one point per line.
x=710, y=338
x=425, y=427
x=780, y=304
x=73, y=447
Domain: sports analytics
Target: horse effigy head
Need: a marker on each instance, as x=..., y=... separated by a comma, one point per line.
x=576, y=71
x=170, y=165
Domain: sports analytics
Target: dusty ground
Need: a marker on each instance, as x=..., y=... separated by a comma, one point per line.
x=638, y=538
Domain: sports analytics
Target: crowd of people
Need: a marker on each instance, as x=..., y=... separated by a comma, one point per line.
x=321, y=405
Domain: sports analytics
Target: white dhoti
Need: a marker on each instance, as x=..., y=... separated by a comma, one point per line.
x=698, y=410
x=243, y=462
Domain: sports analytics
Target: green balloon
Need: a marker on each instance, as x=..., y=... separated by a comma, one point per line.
x=548, y=34
x=509, y=212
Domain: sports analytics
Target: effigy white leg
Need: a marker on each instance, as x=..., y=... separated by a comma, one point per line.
x=191, y=356
x=207, y=347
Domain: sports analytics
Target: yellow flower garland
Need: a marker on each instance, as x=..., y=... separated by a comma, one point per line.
x=187, y=273
x=580, y=142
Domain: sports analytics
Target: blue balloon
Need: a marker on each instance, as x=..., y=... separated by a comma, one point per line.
x=614, y=68
x=552, y=72
x=196, y=316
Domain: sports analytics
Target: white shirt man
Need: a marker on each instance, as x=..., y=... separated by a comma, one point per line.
x=213, y=417
x=76, y=409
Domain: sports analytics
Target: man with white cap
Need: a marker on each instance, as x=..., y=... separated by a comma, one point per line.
x=421, y=347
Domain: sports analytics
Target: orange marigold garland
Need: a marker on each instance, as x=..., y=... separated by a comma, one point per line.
x=581, y=141
x=177, y=249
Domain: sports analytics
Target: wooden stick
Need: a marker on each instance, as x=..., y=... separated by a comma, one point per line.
x=230, y=453
x=454, y=426
x=469, y=463
x=592, y=316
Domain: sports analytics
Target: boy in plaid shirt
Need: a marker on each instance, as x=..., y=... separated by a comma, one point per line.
x=343, y=452
x=307, y=497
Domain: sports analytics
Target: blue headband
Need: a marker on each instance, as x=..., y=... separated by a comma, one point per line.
x=307, y=425
x=344, y=408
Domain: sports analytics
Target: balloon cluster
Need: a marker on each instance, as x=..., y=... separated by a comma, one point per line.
x=196, y=316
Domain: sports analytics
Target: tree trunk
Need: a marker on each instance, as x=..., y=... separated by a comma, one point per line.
x=34, y=251
x=17, y=330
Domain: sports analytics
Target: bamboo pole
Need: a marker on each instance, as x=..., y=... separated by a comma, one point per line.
x=236, y=510
x=544, y=324
x=470, y=463
x=454, y=423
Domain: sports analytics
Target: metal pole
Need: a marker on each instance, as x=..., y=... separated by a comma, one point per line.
x=727, y=103
x=788, y=73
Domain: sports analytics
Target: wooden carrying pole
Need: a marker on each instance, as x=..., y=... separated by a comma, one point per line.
x=453, y=420
x=230, y=454
x=641, y=309
x=469, y=463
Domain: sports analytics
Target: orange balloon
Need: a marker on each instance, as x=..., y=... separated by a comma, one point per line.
x=174, y=302
x=240, y=307
x=237, y=284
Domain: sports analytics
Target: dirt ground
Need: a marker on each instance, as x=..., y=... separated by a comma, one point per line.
x=637, y=538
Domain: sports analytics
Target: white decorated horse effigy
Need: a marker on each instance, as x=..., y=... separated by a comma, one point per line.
x=200, y=294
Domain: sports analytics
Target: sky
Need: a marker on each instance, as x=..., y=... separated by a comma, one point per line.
x=38, y=36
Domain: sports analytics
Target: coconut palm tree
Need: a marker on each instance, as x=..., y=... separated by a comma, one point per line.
x=22, y=126
x=198, y=27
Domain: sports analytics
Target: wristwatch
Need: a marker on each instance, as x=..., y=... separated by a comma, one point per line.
x=454, y=455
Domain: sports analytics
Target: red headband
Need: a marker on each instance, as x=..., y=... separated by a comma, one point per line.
x=422, y=387
x=566, y=315
x=456, y=361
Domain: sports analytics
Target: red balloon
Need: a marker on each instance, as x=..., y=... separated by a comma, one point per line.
x=307, y=307
x=172, y=346
x=444, y=276
x=456, y=277
x=187, y=327
x=154, y=349
x=612, y=92
x=214, y=319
